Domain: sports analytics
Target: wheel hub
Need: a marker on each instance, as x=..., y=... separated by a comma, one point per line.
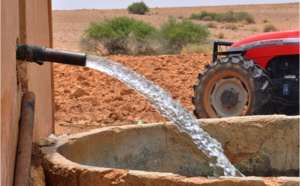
x=229, y=98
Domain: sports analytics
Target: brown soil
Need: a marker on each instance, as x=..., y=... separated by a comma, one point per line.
x=86, y=99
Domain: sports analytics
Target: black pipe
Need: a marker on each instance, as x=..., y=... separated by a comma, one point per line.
x=24, y=148
x=40, y=54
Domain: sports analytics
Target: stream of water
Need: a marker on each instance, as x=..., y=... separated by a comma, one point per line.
x=163, y=103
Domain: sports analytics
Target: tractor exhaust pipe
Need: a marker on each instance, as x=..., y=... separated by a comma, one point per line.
x=41, y=54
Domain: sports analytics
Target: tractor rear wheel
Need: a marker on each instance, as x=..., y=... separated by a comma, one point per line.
x=232, y=86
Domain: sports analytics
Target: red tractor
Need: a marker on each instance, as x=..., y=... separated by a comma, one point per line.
x=258, y=75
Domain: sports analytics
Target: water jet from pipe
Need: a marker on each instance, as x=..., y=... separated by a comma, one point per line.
x=157, y=97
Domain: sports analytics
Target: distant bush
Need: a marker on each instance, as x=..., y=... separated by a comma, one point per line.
x=211, y=25
x=138, y=8
x=114, y=34
x=254, y=29
x=220, y=35
x=244, y=16
x=230, y=26
x=179, y=34
x=205, y=16
x=124, y=35
x=229, y=16
x=180, y=17
x=269, y=28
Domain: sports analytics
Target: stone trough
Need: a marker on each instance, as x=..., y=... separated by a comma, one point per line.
x=264, y=148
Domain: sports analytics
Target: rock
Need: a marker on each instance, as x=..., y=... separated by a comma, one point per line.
x=79, y=93
x=45, y=141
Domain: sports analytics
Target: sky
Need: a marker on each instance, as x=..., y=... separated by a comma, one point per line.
x=123, y=4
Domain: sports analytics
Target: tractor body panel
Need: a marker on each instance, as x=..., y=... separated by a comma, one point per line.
x=263, y=47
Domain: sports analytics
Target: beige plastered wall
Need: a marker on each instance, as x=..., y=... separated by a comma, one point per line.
x=23, y=22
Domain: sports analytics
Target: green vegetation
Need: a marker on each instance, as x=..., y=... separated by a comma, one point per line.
x=124, y=35
x=179, y=34
x=229, y=16
x=138, y=8
x=206, y=16
x=114, y=34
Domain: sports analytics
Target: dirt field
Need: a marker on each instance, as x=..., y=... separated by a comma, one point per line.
x=86, y=99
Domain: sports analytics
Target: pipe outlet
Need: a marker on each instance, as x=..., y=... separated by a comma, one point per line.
x=40, y=54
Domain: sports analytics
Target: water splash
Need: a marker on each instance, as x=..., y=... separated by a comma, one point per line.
x=169, y=108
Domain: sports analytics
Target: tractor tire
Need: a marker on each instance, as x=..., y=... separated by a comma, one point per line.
x=232, y=86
